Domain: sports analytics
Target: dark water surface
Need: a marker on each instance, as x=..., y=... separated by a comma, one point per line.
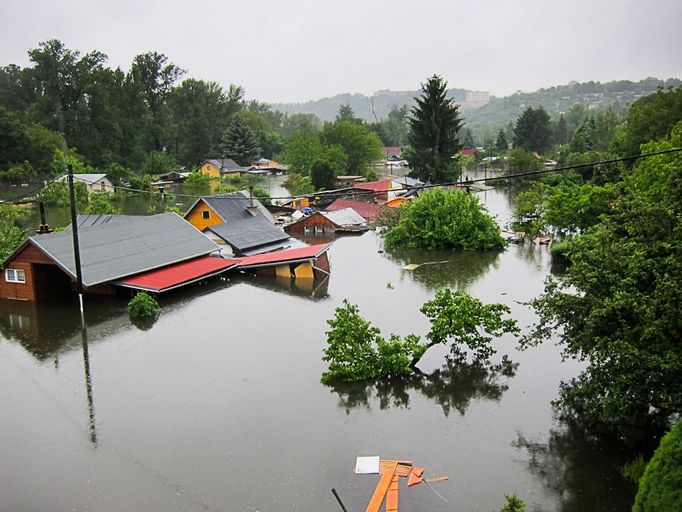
x=218, y=405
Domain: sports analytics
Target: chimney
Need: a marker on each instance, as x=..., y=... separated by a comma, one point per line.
x=43, y=228
x=252, y=208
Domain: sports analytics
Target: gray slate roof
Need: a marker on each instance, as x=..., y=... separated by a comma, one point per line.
x=245, y=234
x=116, y=246
x=233, y=206
x=226, y=164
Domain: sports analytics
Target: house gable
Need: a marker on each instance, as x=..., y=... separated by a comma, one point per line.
x=201, y=215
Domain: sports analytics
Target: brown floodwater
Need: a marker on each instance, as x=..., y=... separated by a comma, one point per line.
x=217, y=406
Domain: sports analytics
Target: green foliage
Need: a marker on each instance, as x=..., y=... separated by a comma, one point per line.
x=513, y=504
x=361, y=145
x=434, y=125
x=617, y=307
x=57, y=193
x=501, y=143
x=356, y=351
x=140, y=182
x=262, y=195
x=467, y=321
x=197, y=184
x=444, y=219
x=143, y=306
x=651, y=118
x=11, y=235
x=660, y=488
x=634, y=469
x=323, y=176
x=100, y=204
x=532, y=130
x=240, y=143
x=159, y=162
x=298, y=185
x=520, y=160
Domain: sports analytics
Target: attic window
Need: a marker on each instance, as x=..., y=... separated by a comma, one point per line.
x=205, y=214
x=15, y=275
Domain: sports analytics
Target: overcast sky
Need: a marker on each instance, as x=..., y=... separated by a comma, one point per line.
x=297, y=50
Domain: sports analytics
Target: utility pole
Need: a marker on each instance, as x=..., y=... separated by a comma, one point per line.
x=76, y=247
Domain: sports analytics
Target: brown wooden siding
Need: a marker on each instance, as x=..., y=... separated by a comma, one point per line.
x=316, y=220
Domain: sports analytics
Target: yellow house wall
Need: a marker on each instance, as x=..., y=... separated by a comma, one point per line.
x=195, y=217
x=210, y=170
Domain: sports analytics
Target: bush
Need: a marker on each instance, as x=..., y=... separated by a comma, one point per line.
x=100, y=204
x=143, y=307
x=660, y=489
x=513, y=504
x=444, y=219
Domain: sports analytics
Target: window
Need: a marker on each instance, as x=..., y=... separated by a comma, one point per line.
x=205, y=214
x=15, y=275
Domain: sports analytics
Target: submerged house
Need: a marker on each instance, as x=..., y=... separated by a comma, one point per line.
x=240, y=222
x=219, y=167
x=155, y=253
x=368, y=211
x=321, y=223
x=93, y=182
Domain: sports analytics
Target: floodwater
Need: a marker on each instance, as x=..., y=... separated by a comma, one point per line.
x=217, y=406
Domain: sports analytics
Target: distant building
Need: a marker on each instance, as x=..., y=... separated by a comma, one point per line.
x=219, y=167
x=93, y=182
x=324, y=223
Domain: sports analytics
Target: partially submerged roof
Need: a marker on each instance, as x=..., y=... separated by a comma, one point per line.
x=345, y=217
x=368, y=211
x=225, y=164
x=233, y=206
x=116, y=246
x=376, y=186
x=244, y=234
x=286, y=256
x=85, y=178
x=179, y=274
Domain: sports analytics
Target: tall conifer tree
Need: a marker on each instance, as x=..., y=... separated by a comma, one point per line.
x=434, y=124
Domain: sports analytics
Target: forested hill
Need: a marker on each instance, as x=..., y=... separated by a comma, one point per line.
x=365, y=107
x=498, y=111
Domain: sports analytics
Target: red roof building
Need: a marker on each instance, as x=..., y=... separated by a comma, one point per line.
x=369, y=211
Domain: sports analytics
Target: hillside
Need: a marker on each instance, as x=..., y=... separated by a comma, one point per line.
x=498, y=112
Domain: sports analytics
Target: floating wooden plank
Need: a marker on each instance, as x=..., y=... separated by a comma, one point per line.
x=403, y=470
x=435, y=479
x=417, y=471
x=381, y=488
x=411, y=266
x=392, y=495
x=413, y=480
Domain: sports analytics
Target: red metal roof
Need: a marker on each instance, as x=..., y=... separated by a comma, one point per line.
x=272, y=258
x=172, y=276
x=377, y=186
x=392, y=150
x=369, y=211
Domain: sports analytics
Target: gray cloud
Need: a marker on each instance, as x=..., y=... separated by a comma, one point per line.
x=304, y=49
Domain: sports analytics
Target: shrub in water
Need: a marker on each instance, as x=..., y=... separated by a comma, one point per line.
x=143, y=306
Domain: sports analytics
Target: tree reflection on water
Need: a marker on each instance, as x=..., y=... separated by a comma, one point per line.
x=578, y=468
x=458, y=269
x=453, y=386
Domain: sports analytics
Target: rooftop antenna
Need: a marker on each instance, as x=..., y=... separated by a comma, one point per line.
x=43, y=228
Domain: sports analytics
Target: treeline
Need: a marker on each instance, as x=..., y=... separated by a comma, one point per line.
x=66, y=107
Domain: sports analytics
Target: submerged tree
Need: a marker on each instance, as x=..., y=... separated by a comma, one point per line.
x=444, y=219
x=356, y=350
x=434, y=125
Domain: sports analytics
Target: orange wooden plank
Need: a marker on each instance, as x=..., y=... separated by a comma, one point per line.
x=413, y=480
x=392, y=495
x=403, y=470
x=436, y=479
x=381, y=489
x=417, y=471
